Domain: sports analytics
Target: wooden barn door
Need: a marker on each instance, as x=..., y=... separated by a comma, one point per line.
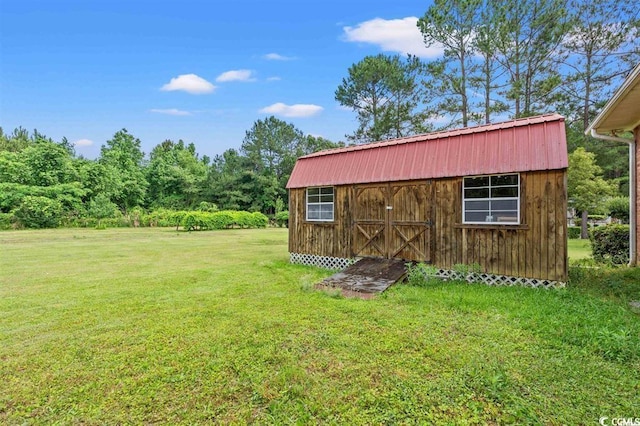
x=410, y=221
x=371, y=221
x=393, y=221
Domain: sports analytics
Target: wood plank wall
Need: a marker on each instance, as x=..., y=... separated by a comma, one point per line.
x=321, y=238
x=535, y=249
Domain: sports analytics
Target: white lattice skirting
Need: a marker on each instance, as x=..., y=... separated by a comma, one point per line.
x=327, y=262
x=498, y=280
x=340, y=263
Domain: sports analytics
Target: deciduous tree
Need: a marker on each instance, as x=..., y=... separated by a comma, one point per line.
x=587, y=190
x=123, y=158
x=176, y=175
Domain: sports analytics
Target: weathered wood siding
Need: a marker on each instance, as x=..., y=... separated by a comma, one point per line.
x=321, y=238
x=425, y=224
x=535, y=249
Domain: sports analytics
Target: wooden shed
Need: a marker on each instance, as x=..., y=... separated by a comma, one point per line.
x=492, y=195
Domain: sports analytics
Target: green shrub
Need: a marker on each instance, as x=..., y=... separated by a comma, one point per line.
x=101, y=207
x=69, y=195
x=92, y=222
x=38, y=212
x=190, y=221
x=116, y=222
x=597, y=217
x=159, y=217
x=198, y=221
x=222, y=220
x=6, y=220
x=619, y=208
x=282, y=218
x=242, y=219
x=259, y=220
x=203, y=220
x=573, y=232
x=610, y=244
x=177, y=217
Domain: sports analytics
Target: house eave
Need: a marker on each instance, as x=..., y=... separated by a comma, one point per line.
x=621, y=113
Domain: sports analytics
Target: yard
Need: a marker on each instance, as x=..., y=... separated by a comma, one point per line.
x=578, y=249
x=158, y=326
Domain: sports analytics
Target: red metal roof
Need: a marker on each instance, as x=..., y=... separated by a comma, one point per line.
x=526, y=144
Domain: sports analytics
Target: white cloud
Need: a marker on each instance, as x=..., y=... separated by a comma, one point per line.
x=171, y=111
x=83, y=142
x=236, y=75
x=277, y=57
x=392, y=35
x=297, y=110
x=274, y=78
x=189, y=83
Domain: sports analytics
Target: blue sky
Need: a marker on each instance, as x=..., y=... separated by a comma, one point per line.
x=200, y=71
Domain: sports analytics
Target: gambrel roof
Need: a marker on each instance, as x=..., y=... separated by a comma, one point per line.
x=526, y=144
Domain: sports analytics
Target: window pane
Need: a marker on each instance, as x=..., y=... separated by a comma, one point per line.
x=313, y=214
x=476, y=216
x=476, y=205
x=476, y=193
x=504, y=180
x=326, y=207
x=508, y=191
x=496, y=202
x=504, y=205
x=476, y=182
x=326, y=215
x=320, y=203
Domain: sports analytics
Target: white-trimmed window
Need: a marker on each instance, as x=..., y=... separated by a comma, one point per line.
x=320, y=204
x=491, y=199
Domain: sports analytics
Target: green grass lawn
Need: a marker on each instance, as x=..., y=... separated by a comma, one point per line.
x=578, y=249
x=154, y=326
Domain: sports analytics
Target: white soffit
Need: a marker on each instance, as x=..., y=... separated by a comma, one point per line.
x=622, y=112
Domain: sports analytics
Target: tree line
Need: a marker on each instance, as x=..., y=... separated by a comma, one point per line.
x=38, y=174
